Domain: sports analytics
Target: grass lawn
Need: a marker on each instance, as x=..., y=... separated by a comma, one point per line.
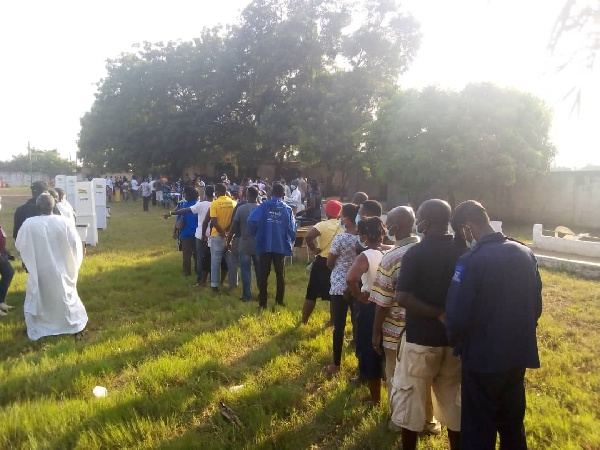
x=168, y=353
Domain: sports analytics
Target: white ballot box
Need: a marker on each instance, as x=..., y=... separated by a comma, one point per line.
x=86, y=210
x=60, y=181
x=100, y=202
x=71, y=189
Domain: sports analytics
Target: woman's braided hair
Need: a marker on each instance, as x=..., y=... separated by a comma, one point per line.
x=372, y=228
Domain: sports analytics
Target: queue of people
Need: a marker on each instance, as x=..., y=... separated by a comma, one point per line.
x=448, y=320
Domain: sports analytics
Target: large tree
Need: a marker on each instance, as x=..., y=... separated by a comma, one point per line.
x=467, y=143
x=241, y=89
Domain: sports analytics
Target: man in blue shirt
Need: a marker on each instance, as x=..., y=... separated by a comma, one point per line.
x=273, y=225
x=492, y=309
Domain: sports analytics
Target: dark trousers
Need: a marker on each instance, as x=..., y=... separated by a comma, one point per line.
x=493, y=403
x=339, y=312
x=6, y=273
x=370, y=363
x=146, y=201
x=188, y=247
x=266, y=260
x=153, y=198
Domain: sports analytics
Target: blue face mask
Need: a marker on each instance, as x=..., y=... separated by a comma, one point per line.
x=358, y=219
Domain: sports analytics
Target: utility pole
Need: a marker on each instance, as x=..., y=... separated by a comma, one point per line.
x=30, y=164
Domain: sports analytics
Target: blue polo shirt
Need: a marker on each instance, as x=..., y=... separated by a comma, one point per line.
x=493, y=305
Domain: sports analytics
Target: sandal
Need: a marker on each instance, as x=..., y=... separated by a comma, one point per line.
x=331, y=369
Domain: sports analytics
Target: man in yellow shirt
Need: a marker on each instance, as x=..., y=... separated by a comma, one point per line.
x=319, y=281
x=221, y=214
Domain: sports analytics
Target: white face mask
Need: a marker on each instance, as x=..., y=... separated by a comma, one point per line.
x=391, y=236
x=416, y=230
x=470, y=243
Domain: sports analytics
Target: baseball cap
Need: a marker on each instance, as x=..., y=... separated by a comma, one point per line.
x=333, y=208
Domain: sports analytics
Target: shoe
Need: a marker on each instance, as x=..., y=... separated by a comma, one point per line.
x=434, y=428
x=215, y=289
x=393, y=427
x=356, y=381
x=245, y=300
x=2, y=313
x=5, y=307
x=200, y=285
x=331, y=369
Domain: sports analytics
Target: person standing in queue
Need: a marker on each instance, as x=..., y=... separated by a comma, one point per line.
x=492, y=311
x=390, y=319
x=425, y=358
x=221, y=213
x=274, y=228
x=318, y=240
x=360, y=278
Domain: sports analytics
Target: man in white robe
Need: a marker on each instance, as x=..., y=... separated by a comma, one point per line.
x=52, y=252
x=63, y=206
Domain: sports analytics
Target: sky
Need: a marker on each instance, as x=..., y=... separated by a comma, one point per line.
x=55, y=52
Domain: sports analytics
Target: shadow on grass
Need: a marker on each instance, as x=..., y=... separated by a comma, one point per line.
x=174, y=400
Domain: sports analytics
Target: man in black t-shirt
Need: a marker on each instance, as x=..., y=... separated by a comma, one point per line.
x=426, y=360
x=29, y=209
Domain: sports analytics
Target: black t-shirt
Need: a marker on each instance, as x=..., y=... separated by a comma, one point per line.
x=314, y=212
x=426, y=272
x=24, y=212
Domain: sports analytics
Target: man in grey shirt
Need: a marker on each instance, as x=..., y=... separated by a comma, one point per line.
x=246, y=242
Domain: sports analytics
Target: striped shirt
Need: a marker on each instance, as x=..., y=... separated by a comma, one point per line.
x=383, y=292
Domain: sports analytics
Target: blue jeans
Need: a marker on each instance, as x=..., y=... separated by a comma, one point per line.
x=246, y=263
x=200, y=249
x=217, y=253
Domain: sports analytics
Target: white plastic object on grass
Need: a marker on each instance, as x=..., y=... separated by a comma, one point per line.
x=100, y=391
x=237, y=388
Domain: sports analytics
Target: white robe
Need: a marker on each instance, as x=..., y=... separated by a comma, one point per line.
x=65, y=209
x=51, y=250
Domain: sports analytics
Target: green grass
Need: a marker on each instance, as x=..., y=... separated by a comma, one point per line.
x=168, y=353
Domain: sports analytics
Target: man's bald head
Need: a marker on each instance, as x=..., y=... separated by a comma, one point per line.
x=436, y=215
x=400, y=221
x=359, y=198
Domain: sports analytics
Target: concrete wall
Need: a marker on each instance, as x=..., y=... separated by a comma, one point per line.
x=570, y=198
x=15, y=179
x=559, y=198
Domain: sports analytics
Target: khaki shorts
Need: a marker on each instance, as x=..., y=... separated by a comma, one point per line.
x=419, y=368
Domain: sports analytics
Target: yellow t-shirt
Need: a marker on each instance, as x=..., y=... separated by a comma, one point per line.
x=328, y=229
x=222, y=210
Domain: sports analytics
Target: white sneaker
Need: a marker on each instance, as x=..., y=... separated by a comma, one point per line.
x=2, y=313
x=5, y=307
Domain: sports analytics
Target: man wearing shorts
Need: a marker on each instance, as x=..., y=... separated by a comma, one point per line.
x=426, y=360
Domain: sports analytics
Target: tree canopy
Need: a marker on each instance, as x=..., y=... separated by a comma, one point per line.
x=469, y=142
x=293, y=79
x=48, y=162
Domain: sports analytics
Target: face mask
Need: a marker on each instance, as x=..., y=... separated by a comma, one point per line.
x=416, y=230
x=473, y=242
x=362, y=244
x=391, y=236
x=357, y=220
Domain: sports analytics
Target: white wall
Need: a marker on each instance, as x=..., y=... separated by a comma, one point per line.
x=560, y=245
